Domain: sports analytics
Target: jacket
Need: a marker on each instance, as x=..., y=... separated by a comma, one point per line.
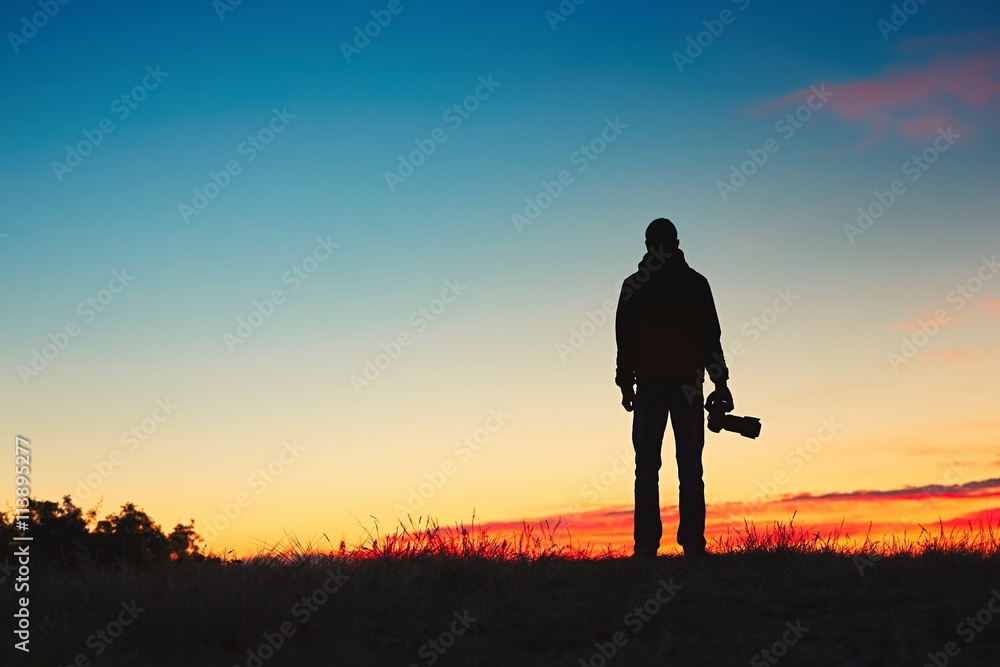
x=666, y=324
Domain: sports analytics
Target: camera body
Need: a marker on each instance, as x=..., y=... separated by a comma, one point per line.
x=718, y=420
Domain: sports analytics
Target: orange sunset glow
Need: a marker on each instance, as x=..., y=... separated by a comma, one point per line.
x=383, y=285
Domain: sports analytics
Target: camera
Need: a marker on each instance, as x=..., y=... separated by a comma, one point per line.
x=718, y=420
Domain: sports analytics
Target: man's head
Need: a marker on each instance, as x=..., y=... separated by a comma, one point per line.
x=662, y=235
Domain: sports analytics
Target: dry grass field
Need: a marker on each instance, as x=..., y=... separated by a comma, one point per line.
x=431, y=595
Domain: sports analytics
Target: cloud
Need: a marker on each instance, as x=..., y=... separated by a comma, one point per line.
x=979, y=310
x=916, y=101
x=986, y=516
x=851, y=513
x=956, y=356
x=991, y=486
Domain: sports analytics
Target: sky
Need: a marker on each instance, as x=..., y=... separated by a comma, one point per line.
x=302, y=269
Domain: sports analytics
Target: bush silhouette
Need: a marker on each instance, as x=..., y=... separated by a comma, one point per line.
x=67, y=537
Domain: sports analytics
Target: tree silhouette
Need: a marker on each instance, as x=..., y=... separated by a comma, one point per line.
x=65, y=536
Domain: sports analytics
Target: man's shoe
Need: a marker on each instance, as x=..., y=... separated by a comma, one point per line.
x=696, y=554
x=644, y=554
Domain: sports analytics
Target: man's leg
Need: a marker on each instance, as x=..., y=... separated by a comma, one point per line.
x=687, y=417
x=649, y=410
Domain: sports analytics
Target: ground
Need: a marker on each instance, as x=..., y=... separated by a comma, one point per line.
x=768, y=601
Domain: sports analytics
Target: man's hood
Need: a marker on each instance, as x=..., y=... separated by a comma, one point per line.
x=656, y=261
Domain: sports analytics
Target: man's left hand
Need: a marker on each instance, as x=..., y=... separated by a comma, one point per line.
x=721, y=395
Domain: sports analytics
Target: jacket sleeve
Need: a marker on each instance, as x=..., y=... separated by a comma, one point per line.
x=711, y=339
x=625, y=338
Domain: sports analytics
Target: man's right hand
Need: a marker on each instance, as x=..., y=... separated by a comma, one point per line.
x=721, y=395
x=628, y=395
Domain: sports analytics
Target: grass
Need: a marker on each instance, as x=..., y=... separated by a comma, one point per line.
x=534, y=598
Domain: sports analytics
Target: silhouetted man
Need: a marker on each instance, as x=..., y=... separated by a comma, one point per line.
x=668, y=335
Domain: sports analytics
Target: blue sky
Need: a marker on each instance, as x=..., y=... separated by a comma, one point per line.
x=323, y=176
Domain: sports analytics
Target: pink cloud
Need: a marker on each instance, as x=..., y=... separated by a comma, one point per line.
x=979, y=310
x=915, y=102
x=922, y=127
x=847, y=512
x=955, y=356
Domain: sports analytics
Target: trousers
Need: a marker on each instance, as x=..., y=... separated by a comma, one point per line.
x=683, y=404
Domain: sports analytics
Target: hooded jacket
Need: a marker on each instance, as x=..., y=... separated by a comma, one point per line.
x=666, y=325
